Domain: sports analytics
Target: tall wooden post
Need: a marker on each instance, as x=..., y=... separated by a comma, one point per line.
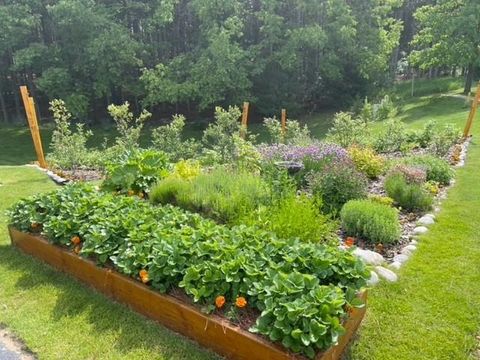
x=29, y=105
x=473, y=111
x=244, y=119
x=284, y=122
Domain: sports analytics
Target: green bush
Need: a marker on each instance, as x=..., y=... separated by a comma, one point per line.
x=347, y=130
x=412, y=197
x=178, y=249
x=295, y=216
x=337, y=184
x=394, y=137
x=370, y=221
x=136, y=171
x=167, y=190
x=437, y=169
x=223, y=195
x=367, y=161
x=385, y=200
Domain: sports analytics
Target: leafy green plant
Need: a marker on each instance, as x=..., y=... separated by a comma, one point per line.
x=385, y=200
x=367, y=161
x=136, y=171
x=337, y=184
x=69, y=150
x=295, y=216
x=370, y=221
x=437, y=169
x=224, y=195
x=294, y=134
x=393, y=138
x=409, y=196
x=128, y=127
x=294, y=285
x=168, y=138
x=347, y=130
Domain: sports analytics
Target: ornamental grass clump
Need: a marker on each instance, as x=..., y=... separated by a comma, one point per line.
x=370, y=221
x=302, y=291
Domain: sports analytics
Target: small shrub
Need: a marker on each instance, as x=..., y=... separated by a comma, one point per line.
x=128, y=127
x=385, y=200
x=168, y=138
x=444, y=140
x=437, y=169
x=412, y=197
x=366, y=161
x=371, y=221
x=136, y=171
x=295, y=134
x=337, y=184
x=347, y=130
x=69, y=150
x=295, y=216
x=393, y=138
x=186, y=169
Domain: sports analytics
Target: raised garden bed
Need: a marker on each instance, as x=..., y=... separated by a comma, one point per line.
x=211, y=331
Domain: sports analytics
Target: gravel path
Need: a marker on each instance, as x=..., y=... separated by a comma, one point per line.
x=12, y=349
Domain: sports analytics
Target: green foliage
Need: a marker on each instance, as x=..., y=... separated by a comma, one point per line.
x=224, y=195
x=186, y=169
x=337, y=184
x=367, y=161
x=168, y=138
x=437, y=169
x=294, y=134
x=377, y=112
x=295, y=216
x=393, y=138
x=371, y=221
x=128, y=127
x=437, y=140
x=409, y=196
x=168, y=189
x=69, y=150
x=347, y=130
x=246, y=157
x=136, y=171
x=181, y=249
x=219, y=135
x=384, y=200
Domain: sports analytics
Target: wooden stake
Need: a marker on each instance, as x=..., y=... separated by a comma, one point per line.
x=244, y=119
x=473, y=111
x=284, y=122
x=29, y=105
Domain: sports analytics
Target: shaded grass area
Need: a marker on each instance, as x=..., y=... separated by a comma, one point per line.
x=59, y=318
x=433, y=311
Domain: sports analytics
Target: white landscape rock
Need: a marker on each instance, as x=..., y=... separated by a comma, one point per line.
x=386, y=274
x=420, y=230
x=426, y=220
x=410, y=248
x=413, y=242
x=369, y=257
x=401, y=258
x=374, y=279
x=396, y=265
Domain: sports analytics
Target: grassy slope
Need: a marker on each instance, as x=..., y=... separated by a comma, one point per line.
x=56, y=316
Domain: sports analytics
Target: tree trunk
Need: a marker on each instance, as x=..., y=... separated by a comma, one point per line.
x=469, y=79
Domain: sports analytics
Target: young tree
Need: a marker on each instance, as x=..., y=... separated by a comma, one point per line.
x=449, y=35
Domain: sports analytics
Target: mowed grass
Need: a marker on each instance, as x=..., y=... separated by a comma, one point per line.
x=59, y=318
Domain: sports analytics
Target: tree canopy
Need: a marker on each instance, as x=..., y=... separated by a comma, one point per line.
x=195, y=54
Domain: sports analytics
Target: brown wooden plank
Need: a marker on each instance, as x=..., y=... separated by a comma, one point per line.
x=211, y=331
x=284, y=121
x=473, y=112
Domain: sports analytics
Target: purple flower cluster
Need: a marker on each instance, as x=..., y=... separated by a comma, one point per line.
x=315, y=152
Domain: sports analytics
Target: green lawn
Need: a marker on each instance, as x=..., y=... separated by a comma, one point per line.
x=432, y=312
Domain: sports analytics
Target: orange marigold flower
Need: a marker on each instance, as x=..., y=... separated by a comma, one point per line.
x=141, y=195
x=131, y=192
x=220, y=301
x=350, y=241
x=75, y=240
x=241, y=302
x=35, y=225
x=144, y=276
